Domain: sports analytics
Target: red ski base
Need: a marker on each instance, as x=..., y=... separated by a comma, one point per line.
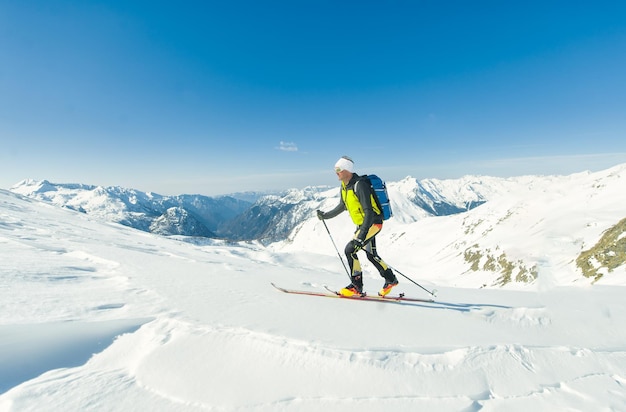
x=334, y=294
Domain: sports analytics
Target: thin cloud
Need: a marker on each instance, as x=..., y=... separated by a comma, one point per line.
x=287, y=147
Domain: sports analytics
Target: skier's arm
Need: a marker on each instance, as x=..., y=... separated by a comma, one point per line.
x=363, y=193
x=336, y=211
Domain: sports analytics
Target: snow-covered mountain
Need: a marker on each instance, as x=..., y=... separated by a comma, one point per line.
x=178, y=221
x=191, y=215
x=527, y=229
x=514, y=236
x=271, y=218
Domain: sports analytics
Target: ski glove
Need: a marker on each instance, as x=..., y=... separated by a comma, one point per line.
x=357, y=244
x=321, y=215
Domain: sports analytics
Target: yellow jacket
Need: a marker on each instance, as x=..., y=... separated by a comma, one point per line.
x=357, y=198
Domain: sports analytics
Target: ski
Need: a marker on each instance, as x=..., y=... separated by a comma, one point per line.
x=399, y=297
x=334, y=294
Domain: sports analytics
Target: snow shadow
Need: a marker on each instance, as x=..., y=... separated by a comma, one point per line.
x=462, y=307
x=458, y=307
x=27, y=351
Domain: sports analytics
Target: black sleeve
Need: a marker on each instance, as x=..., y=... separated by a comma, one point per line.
x=363, y=193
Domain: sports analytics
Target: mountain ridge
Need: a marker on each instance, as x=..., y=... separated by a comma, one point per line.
x=270, y=218
x=491, y=230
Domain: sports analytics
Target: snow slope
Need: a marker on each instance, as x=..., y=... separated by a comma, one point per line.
x=538, y=224
x=99, y=316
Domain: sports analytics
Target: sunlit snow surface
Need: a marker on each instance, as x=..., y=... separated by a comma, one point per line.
x=97, y=316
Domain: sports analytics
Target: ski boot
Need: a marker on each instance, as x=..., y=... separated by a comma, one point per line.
x=355, y=288
x=390, y=282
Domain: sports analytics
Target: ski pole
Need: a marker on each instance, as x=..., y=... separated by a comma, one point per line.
x=434, y=291
x=337, y=250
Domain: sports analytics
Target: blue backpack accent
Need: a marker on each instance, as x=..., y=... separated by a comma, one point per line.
x=379, y=189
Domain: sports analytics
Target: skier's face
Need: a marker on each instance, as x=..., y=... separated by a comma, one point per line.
x=343, y=175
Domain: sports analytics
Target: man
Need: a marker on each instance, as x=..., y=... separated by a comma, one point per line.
x=358, y=199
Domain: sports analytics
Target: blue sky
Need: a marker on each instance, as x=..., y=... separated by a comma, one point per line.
x=217, y=97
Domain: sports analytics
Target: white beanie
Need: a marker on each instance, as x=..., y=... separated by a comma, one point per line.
x=345, y=163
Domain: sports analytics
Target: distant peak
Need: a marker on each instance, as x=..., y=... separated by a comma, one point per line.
x=33, y=186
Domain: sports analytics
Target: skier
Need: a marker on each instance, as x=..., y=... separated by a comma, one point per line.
x=357, y=198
